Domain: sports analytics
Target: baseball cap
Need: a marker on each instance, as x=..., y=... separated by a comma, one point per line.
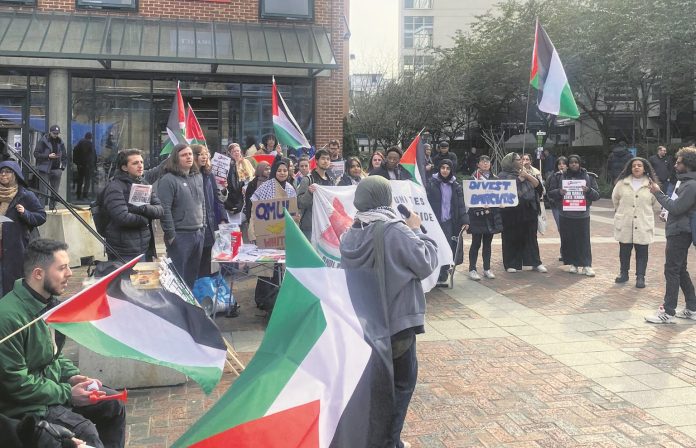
x=55, y=128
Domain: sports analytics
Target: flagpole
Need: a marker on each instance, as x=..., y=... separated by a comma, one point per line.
x=526, y=114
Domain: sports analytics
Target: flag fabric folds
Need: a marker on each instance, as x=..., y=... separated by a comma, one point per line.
x=115, y=319
x=176, y=124
x=194, y=132
x=413, y=159
x=322, y=376
x=287, y=131
x=549, y=78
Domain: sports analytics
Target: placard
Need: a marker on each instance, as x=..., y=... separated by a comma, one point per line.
x=220, y=167
x=490, y=193
x=574, y=198
x=140, y=194
x=338, y=168
x=268, y=219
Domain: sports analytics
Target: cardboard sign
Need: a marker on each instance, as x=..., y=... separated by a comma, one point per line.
x=574, y=199
x=490, y=193
x=220, y=167
x=269, y=221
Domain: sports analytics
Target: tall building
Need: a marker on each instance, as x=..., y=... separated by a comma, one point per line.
x=111, y=67
x=425, y=24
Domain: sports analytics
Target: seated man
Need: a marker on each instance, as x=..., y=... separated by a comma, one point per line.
x=34, y=377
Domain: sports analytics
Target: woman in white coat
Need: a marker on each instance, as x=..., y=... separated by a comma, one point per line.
x=634, y=217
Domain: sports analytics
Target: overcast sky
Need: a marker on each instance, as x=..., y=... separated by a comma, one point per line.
x=374, y=26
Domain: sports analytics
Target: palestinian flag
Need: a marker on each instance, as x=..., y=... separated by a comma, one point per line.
x=261, y=157
x=114, y=319
x=194, y=133
x=176, y=125
x=286, y=128
x=549, y=78
x=413, y=159
x=322, y=376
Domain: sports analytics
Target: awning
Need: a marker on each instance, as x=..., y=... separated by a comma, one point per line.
x=110, y=38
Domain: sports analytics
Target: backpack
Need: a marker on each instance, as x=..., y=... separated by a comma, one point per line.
x=99, y=214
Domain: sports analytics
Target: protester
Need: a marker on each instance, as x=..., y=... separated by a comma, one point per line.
x=269, y=144
x=679, y=238
x=560, y=168
x=291, y=172
x=245, y=171
x=24, y=213
x=36, y=378
x=530, y=168
x=444, y=153
x=401, y=256
x=548, y=163
x=183, y=200
x=618, y=158
x=33, y=432
x=353, y=172
x=85, y=158
x=576, y=249
x=262, y=173
x=51, y=160
x=520, y=223
x=278, y=186
x=428, y=159
x=391, y=169
x=232, y=193
x=634, y=217
x=663, y=165
x=129, y=228
x=484, y=223
x=214, y=209
x=447, y=201
x=376, y=161
x=321, y=175
x=302, y=170
x=335, y=151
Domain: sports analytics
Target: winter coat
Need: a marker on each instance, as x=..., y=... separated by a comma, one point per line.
x=235, y=198
x=484, y=219
x=250, y=189
x=664, y=168
x=592, y=194
x=634, y=217
x=214, y=209
x=618, y=159
x=129, y=229
x=45, y=147
x=305, y=198
x=33, y=377
x=401, y=172
x=528, y=208
x=457, y=208
x=84, y=155
x=183, y=202
x=15, y=234
x=347, y=180
x=680, y=209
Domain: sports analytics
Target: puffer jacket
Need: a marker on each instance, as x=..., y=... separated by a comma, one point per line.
x=634, y=218
x=457, y=209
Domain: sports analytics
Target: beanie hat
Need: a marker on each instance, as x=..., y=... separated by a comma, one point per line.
x=372, y=192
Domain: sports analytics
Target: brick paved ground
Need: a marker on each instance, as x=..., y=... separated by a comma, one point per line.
x=525, y=360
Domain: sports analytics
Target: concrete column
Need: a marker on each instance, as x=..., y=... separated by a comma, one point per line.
x=58, y=113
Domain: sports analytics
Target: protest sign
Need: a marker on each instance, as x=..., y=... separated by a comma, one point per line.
x=333, y=213
x=267, y=217
x=338, y=168
x=140, y=194
x=574, y=198
x=490, y=193
x=220, y=167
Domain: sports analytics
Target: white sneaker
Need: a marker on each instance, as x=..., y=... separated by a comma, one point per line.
x=541, y=268
x=661, y=317
x=588, y=271
x=573, y=270
x=488, y=274
x=474, y=275
x=511, y=270
x=686, y=314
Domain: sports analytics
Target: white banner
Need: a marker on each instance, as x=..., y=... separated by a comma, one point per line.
x=333, y=212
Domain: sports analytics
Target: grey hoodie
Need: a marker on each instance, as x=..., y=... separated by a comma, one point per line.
x=410, y=256
x=680, y=209
x=183, y=201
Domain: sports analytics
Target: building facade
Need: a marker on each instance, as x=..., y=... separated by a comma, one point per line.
x=111, y=67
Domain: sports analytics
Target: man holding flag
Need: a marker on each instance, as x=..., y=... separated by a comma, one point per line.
x=35, y=377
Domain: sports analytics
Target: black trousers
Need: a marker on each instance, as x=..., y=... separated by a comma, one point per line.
x=99, y=425
x=625, y=250
x=576, y=249
x=476, y=240
x=186, y=251
x=83, y=181
x=448, y=229
x=676, y=275
x=520, y=245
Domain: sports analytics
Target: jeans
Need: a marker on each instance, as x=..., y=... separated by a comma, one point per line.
x=186, y=251
x=676, y=275
x=53, y=178
x=405, y=377
x=625, y=250
x=476, y=240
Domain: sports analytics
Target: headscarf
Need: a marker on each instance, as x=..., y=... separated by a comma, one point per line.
x=274, y=170
x=508, y=162
x=373, y=198
x=449, y=163
x=260, y=170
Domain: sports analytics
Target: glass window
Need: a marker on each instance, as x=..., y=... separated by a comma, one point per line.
x=13, y=82
x=287, y=9
x=416, y=63
x=418, y=4
x=123, y=85
x=107, y=4
x=418, y=31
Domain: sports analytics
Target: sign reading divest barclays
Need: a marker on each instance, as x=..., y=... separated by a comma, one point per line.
x=490, y=193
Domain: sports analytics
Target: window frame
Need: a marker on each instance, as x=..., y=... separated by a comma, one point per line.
x=85, y=5
x=309, y=17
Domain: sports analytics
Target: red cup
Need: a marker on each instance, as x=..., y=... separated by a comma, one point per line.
x=236, y=240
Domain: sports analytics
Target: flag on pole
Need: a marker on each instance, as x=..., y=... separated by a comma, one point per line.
x=287, y=131
x=413, y=159
x=322, y=375
x=114, y=319
x=260, y=157
x=194, y=133
x=176, y=124
x=549, y=78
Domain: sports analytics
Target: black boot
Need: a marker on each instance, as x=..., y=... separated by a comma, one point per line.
x=622, y=278
x=640, y=281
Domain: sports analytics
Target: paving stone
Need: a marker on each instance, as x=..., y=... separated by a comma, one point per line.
x=621, y=383
x=661, y=381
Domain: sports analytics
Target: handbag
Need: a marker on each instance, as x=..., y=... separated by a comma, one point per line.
x=542, y=218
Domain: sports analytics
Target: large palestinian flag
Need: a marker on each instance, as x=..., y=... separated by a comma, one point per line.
x=194, y=132
x=413, y=159
x=176, y=124
x=322, y=376
x=286, y=128
x=114, y=319
x=549, y=78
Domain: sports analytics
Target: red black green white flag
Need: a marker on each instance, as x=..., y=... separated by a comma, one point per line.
x=549, y=78
x=114, y=319
x=322, y=376
x=413, y=159
x=285, y=126
x=176, y=124
x=194, y=132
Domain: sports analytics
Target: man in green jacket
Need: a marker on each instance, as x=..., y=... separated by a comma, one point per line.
x=35, y=378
